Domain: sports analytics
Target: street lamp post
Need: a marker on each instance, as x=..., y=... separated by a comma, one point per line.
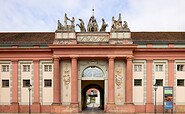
x=29, y=89
x=155, y=89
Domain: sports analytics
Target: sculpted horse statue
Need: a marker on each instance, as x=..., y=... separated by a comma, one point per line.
x=81, y=25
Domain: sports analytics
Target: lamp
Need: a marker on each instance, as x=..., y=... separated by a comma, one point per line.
x=155, y=89
x=29, y=89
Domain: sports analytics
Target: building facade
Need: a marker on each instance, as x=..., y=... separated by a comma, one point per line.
x=63, y=65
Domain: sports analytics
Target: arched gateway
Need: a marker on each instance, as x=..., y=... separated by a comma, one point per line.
x=100, y=60
x=92, y=74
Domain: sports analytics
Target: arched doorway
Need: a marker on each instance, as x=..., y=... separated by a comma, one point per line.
x=92, y=78
x=84, y=94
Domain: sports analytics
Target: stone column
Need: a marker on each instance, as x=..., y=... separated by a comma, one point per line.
x=128, y=82
x=56, y=81
x=36, y=103
x=15, y=104
x=74, y=81
x=171, y=73
x=149, y=84
x=111, y=81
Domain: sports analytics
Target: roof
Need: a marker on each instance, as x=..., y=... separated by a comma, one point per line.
x=158, y=36
x=27, y=38
x=48, y=37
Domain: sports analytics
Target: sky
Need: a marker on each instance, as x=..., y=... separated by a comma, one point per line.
x=42, y=15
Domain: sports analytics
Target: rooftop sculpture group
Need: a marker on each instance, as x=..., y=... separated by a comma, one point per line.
x=117, y=25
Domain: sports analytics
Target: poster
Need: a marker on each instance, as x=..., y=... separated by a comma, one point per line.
x=168, y=97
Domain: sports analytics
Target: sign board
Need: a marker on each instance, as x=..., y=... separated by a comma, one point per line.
x=168, y=98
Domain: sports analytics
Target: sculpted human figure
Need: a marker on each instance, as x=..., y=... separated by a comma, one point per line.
x=113, y=27
x=95, y=25
x=65, y=20
x=72, y=26
x=104, y=25
x=59, y=27
x=119, y=22
x=92, y=25
x=125, y=26
x=81, y=26
x=89, y=25
x=117, y=25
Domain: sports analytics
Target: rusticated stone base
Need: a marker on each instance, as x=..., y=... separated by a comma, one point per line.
x=59, y=108
x=14, y=107
x=127, y=108
x=149, y=107
x=36, y=107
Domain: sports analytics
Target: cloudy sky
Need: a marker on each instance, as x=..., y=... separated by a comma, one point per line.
x=42, y=15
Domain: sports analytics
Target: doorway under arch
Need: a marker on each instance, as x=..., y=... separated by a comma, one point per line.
x=90, y=84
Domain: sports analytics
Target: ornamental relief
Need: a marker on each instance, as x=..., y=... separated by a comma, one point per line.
x=66, y=81
x=93, y=38
x=63, y=42
x=118, y=76
x=66, y=76
x=92, y=63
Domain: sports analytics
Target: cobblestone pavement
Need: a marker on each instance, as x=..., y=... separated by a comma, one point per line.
x=92, y=109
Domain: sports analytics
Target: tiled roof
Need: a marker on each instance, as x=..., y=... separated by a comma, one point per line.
x=158, y=36
x=48, y=37
x=27, y=38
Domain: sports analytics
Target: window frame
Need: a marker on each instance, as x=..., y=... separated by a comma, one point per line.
x=5, y=68
x=181, y=68
x=27, y=84
x=182, y=84
x=138, y=68
x=6, y=85
x=26, y=68
x=136, y=84
x=48, y=68
x=157, y=81
x=158, y=67
x=46, y=80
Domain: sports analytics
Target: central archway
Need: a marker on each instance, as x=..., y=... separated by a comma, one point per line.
x=97, y=84
x=92, y=74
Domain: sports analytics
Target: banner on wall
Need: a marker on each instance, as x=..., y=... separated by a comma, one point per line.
x=168, y=98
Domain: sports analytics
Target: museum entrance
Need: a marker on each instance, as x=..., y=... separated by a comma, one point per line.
x=92, y=96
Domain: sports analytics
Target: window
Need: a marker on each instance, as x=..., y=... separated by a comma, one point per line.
x=159, y=82
x=138, y=68
x=180, y=82
x=180, y=67
x=5, y=83
x=93, y=71
x=26, y=68
x=137, y=82
x=159, y=68
x=47, y=68
x=5, y=68
x=47, y=83
x=26, y=83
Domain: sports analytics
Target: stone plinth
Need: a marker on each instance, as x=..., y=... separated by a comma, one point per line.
x=120, y=38
x=65, y=38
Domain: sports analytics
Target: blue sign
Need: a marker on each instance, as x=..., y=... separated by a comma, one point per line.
x=168, y=97
x=168, y=105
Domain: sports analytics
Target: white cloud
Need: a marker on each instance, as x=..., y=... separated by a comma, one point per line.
x=141, y=15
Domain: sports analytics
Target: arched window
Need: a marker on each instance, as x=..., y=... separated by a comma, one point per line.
x=93, y=71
